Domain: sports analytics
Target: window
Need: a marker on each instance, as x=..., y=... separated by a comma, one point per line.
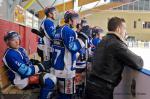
x=125, y=7
x=134, y=24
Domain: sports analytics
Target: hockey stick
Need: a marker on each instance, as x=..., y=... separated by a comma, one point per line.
x=35, y=31
x=86, y=69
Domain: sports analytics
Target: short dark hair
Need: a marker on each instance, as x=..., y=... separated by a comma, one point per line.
x=114, y=22
x=49, y=10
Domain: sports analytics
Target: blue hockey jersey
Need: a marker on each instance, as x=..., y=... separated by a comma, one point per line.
x=65, y=47
x=81, y=61
x=48, y=28
x=19, y=66
x=95, y=42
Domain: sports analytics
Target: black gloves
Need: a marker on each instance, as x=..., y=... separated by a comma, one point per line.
x=47, y=65
x=44, y=66
x=35, y=62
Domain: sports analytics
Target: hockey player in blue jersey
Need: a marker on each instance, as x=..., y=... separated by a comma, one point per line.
x=97, y=34
x=66, y=45
x=24, y=73
x=85, y=27
x=47, y=28
x=81, y=62
x=48, y=25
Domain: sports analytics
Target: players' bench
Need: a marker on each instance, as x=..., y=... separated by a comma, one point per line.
x=6, y=88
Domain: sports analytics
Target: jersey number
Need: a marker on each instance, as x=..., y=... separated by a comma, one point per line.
x=58, y=52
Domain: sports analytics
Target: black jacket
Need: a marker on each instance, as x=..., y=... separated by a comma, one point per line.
x=111, y=55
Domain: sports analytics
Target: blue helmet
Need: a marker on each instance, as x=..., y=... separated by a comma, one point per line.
x=11, y=35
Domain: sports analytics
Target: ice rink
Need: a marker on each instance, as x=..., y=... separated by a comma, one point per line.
x=145, y=54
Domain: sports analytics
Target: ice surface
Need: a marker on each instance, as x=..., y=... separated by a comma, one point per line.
x=145, y=54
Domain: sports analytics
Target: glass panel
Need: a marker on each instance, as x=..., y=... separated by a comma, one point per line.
x=125, y=7
x=136, y=6
x=141, y=4
x=146, y=5
x=131, y=6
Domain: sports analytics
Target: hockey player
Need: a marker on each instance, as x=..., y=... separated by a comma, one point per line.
x=48, y=25
x=85, y=27
x=65, y=48
x=97, y=34
x=24, y=73
x=81, y=63
x=95, y=38
x=47, y=28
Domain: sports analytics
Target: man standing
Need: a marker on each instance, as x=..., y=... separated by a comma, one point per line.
x=47, y=28
x=81, y=63
x=110, y=57
x=65, y=48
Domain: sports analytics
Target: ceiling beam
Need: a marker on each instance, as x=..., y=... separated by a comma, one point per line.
x=84, y=2
x=108, y=6
x=29, y=4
